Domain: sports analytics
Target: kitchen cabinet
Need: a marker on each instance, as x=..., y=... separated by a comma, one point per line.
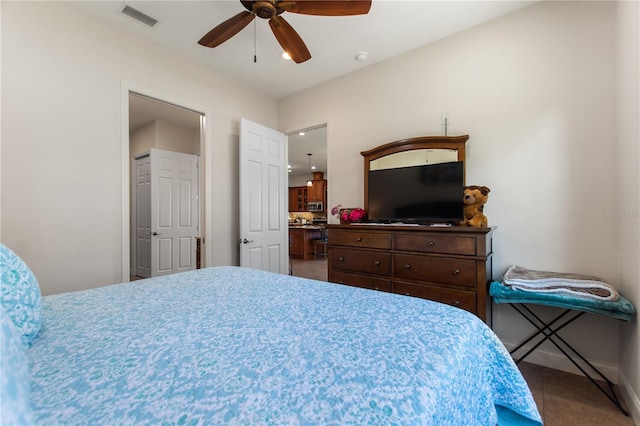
x=301, y=241
x=298, y=198
x=316, y=191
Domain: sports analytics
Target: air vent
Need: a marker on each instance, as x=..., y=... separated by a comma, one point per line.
x=139, y=16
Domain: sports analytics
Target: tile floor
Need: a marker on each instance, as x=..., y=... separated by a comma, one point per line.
x=568, y=399
x=563, y=399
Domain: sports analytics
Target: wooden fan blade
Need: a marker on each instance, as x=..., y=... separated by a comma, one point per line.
x=227, y=29
x=327, y=8
x=289, y=39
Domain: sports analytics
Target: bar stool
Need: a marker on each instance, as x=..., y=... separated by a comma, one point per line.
x=320, y=245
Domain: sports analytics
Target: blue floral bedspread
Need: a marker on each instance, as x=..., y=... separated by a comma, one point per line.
x=228, y=345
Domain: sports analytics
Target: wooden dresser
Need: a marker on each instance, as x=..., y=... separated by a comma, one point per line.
x=450, y=265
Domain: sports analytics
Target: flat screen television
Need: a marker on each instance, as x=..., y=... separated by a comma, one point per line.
x=430, y=193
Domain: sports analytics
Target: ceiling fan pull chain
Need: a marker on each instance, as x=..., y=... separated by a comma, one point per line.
x=255, y=57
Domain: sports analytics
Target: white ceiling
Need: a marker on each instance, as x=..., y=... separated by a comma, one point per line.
x=392, y=27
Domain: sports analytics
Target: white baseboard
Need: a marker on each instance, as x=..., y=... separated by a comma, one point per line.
x=632, y=400
x=558, y=361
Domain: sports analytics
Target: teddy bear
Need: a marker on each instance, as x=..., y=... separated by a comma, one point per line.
x=474, y=200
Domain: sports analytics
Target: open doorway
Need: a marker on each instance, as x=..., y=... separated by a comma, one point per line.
x=171, y=133
x=308, y=195
x=308, y=160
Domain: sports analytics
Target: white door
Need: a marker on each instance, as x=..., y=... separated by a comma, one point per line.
x=263, y=198
x=174, y=211
x=142, y=194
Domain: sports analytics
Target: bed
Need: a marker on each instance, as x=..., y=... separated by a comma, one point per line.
x=229, y=345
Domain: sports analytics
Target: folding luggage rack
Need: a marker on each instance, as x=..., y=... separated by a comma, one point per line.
x=574, y=308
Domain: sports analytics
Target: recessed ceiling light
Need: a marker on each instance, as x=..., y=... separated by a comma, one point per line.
x=301, y=133
x=286, y=56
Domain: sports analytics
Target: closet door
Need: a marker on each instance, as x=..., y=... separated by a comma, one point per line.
x=142, y=232
x=174, y=211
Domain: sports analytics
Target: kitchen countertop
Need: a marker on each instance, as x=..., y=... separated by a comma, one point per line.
x=300, y=226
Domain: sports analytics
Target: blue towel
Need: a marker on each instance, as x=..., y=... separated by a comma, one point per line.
x=621, y=309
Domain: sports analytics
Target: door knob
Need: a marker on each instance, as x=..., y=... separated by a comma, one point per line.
x=245, y=241
x=155, y=233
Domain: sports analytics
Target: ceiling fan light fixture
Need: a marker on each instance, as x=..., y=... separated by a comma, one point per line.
x=264, y=9
x=286, y=56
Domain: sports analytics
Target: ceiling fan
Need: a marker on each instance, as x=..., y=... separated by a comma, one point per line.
x=285, y=34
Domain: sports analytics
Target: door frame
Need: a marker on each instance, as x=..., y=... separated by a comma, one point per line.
x=205, y=170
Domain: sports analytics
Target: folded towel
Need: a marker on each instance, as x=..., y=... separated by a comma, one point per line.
x=621, y=309
x=557, y=282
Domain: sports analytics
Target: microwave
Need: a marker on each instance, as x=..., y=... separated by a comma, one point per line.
x=314, y=206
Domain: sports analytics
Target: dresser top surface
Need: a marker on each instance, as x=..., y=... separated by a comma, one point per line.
x=412, y=228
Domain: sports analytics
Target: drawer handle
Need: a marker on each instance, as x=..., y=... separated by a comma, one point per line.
x=359, y=239
x=341, y=259
x=456, y=303
x=456, y=272
x=407, y=294
x=376, y=263
x=377, y=289
x=431, y=243
x=407, y=266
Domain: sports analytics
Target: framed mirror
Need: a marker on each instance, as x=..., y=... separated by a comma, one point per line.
x=412, y=152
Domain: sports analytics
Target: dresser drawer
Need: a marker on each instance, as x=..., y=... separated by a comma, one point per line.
x=360, y=239
x=361, y=281
x=459, y=298
x=436, y=244
x=370, y=262
x=435, y=269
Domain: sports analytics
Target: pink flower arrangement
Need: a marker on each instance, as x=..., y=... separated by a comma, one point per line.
x=348, y=214
x=352, y=215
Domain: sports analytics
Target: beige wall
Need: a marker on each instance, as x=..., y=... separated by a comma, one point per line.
x=178, y=139
x=162, y=135
x=536, y=92
x=62, y=166
x=627, y=208
x=143, y=139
